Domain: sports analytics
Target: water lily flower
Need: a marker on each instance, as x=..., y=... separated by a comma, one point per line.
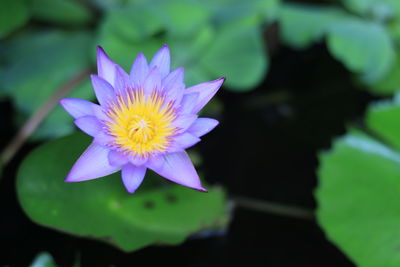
x=144, y=120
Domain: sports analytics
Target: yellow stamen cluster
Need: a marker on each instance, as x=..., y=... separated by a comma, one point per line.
x=141, y=124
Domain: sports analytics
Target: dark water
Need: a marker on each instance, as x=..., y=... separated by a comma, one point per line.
x=265, y=148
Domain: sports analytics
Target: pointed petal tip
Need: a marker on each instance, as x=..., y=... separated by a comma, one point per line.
x=221, y=80
x=201, y=189
x=62, y=102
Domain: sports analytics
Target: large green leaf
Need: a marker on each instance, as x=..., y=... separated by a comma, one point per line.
x=364, y=47
x=64, y=12
x=13, y=14
x=36, y=71
x=380, y=9
x=390, y=83
x=103, y=210
x=182, y=17
x=383, y=120
x=238, y=53
x=359, y=188
x=302, y=25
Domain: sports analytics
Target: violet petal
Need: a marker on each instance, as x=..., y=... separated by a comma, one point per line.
x=92, y=164
x=202, y=126
x=117, y=158
x=152, y=82
x=139, y=70
x=77, y=107
x=122, y=81
x=132, y=177
x=104, y=91
x=206, y=91
x=178, y=168
x=162, y=60
x=183, y=141
x=89, y=125
x=188, y=103
x=184, y=121
x=105, y=66
x=137, y=160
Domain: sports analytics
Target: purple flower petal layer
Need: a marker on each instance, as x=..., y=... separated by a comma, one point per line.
x=77, y=107
x=184, y=121
x=173, y=86
x=100, y=114
x=178, y=168
x=202, y=126
x=161, y=60
x=116, y=158
x=188, y=103
x=103, y=139
x=139, y=70
x=89, y=124
x=206, y=91
x=183, y=141
x=92, y=164
x=152, y=82
x=105, y=66
x=137, y=160
x=104, y=91
x=132, y=177
x=122, y=81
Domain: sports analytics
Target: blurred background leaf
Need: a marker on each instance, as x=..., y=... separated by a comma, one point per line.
x=359, y=185
x=303, y=25
x=13, y=14
x=364, y=47
x=206, y=41
x=60, y=12
x=33, y=73
x=102, y=209
x=379, y=9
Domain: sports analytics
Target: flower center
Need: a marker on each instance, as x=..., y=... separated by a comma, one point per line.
x=141, y=125
x=141, y=129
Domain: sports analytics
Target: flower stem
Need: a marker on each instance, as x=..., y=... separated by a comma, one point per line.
x=274, y=208
x=39, y=115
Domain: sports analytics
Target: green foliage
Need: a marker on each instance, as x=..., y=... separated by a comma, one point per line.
x=103, y=210
x=205, y=38
x=244, y=63
x=35, y=72
x=359, y=187
x=303, y=25
x=379, y=9
x=390, y=83
x=364, y=44
x=13, y=14
x=364, y=47
x=62, y=12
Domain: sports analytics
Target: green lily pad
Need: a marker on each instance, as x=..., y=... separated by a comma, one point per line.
x=303, y=25
x=13, y=14
x=63, y=12
x=102, y=209
x=33, y=73
x=238, y=53
x=380, y=9
x=364, y=47
x=390, y=83
x=359, y=188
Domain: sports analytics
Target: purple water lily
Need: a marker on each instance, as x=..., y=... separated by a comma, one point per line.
x=145, y=120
